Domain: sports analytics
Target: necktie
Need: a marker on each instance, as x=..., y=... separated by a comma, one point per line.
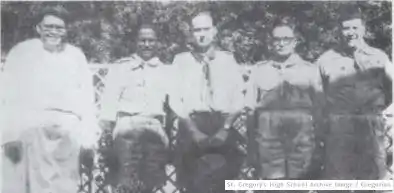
x=207, y=90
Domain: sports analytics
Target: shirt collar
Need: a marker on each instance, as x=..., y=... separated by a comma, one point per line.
x=290, y=62
x=343, y=50
x=207, y=56
x=364, y=48
x=141, y=63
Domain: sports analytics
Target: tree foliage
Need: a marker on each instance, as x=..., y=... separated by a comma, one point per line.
x=106, y=30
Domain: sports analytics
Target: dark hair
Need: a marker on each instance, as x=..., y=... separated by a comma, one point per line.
x=58, y=11
x=284, y=21
x=349, y=12
x=147, y=26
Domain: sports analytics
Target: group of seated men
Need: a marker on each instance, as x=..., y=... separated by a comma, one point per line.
x=49, y=110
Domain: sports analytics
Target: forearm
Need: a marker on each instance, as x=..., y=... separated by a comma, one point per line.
x=231, y=118
x=190, y=125
x=110, y=102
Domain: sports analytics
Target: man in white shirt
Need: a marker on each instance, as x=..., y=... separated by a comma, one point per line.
x=207, y=97
x=48, y=111
x=133, y=101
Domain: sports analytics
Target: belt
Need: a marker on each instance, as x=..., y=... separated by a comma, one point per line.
x=64, y=111
x=197, y=113
x=155, y=116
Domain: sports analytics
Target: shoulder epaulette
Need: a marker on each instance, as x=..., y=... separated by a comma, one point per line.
x=372, y=51
x=262, y=63
x=307, y=63
x=124, y=60
x=225, y=52
x=128, y=63
x=182, y=54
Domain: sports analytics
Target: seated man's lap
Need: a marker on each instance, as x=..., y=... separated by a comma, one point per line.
x=206, y=168
x=140, y=147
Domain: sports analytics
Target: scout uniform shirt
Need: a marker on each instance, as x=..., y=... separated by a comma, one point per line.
x=355, y=83
x=210, y=82
x=135, y=86
x=288, y=85
x=284, y=95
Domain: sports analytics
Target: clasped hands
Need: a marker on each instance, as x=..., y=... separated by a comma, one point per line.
x=216, y=140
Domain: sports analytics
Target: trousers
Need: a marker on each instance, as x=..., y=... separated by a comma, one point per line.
x=355, y=145
x=140, y=150
x=285, y=143
x=205, y=169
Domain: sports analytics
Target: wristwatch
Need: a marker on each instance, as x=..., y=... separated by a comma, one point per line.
x=227, y=126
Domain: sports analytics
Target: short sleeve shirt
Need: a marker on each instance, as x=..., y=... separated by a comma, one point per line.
x=287, y=85
x=354, y=83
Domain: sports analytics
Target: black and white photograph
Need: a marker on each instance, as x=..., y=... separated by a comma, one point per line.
x=180, y=96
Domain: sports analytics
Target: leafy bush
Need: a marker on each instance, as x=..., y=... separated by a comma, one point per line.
x=106, y=30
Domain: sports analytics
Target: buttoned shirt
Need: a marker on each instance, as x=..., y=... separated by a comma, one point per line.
x=354, y=82
x=196, y=90
x=291, y=84
x=35, y=81
x=135, y=86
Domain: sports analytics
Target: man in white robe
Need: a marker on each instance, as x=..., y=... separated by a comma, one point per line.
x=48, y=111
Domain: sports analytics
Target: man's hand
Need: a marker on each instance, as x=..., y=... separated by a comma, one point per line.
x=200, y=138
x=13, y=150
x=107, y=125
x=219, y=138
x=90, y=136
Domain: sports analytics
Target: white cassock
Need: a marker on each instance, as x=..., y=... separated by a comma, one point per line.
x=48, y=105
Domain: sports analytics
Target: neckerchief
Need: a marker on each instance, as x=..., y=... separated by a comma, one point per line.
x=290, y=62
x=205, y=60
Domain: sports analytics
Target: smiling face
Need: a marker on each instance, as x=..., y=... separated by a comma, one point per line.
x=353, y=32
x=147, y=43
x=203, y=30
x=52, y=30
x=284, y=41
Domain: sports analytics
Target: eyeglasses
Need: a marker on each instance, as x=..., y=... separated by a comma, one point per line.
x=48, y=27
x=285, y=40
